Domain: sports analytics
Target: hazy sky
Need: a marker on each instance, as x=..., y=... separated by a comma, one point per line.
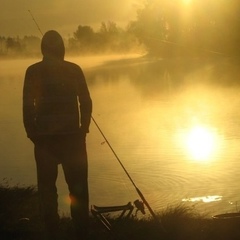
x=62, y=15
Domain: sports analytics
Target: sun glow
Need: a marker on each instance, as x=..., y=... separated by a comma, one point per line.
x=200, y=143
x=187, y=1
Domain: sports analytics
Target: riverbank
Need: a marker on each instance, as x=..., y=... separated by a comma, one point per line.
x=19, y=219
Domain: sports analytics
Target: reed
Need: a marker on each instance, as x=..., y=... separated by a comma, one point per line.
x=19, y=219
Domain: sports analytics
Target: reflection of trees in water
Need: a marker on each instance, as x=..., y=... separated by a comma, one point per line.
x=146, y=75
x=157, y=76
x=227, y=72
x=149, y=76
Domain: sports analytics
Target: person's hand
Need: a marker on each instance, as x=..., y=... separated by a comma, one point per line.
x=82, y=133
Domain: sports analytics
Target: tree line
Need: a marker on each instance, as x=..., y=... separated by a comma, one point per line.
x=162, y=27
x=85, y=40
x=12, y=46
x=189, y=27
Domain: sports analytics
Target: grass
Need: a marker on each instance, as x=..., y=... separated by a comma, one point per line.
x=19, y=220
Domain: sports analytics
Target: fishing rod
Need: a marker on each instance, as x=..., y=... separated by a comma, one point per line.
x=125, y=170
x=118, y=159
x=130, y=178
x=39, y=29
x=184, y=46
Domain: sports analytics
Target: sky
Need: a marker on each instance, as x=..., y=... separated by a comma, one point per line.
x=62, y=15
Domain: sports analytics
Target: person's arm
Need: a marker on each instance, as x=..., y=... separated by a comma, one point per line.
x=29, y=105
x=85, y=103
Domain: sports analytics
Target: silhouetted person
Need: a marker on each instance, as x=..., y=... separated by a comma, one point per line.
x=57, y=112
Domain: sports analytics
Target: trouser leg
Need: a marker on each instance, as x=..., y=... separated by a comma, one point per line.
x=47, y=170
x=75, y=168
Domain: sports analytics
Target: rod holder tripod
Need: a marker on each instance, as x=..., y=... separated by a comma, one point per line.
x=126, y=211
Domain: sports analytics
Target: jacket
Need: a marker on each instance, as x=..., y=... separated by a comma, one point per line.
x=56, y=98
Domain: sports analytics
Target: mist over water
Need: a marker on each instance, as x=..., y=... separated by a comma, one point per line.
x=174, y=124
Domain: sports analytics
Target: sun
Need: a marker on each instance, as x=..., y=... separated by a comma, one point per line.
x=200, y=143
x=187, y=1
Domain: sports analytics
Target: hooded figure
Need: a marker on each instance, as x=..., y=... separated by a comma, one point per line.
x=53, y=91
x=56, y=113
x=52, y=45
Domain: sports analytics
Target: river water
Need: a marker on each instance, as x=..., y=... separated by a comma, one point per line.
x=173, y=124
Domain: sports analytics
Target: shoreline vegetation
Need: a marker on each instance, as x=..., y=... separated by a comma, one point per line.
x=20, y=219
x=162, y=28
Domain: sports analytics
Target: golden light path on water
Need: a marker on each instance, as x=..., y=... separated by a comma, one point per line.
x=205, y=199
x=201, y=144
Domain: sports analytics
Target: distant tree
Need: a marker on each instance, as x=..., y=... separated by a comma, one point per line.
x=150, y=27
x=109, y=38
x=84, y=34
x=170, y=27
x=109, y=28
x=13, y=45
x=2, y=45
x=31, y=45
x=83, y=39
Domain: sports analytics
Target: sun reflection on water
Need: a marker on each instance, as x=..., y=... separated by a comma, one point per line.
x=205, y=199
x=200, y=143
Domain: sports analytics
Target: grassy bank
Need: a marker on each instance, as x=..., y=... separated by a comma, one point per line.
x=19, y=219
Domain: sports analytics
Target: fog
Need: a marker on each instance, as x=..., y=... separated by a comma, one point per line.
x=168, y=77
x=61, y=15
x=148, y=109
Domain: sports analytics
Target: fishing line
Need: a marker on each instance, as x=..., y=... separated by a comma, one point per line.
x=184, y=46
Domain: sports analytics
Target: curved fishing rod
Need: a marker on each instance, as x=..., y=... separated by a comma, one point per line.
x=125, y=170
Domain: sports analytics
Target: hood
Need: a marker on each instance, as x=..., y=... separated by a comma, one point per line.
x=52, y=45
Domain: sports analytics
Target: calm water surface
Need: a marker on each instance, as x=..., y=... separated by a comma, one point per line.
x=173, y=124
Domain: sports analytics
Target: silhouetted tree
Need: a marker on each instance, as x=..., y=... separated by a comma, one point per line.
x=13, y=45
x=83, y=39
x=109, y=38
x=2, y=45
x=150, y=27
x=31, y=45
x=84, y=34
x=173, y=27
